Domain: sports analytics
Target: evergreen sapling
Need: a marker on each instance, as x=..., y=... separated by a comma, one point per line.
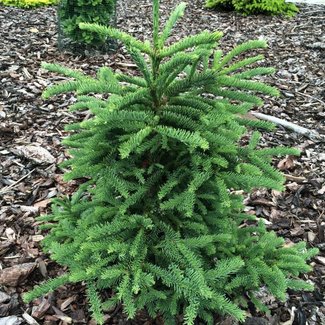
x=159, y=221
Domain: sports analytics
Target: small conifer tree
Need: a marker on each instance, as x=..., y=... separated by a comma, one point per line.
x=159, y=221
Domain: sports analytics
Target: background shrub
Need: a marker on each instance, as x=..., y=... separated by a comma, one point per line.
x=73, y=12
x=28, y=3
x=272, y=7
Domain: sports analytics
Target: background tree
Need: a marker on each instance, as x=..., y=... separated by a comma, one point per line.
x=71, y=13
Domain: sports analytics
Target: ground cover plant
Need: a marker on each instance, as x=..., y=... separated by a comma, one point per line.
x=28, y=3
x=71, y=13
x=272, y=7
x=158, y=219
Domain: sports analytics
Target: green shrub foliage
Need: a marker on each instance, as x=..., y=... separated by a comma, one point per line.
x=71, y=13
x=158, y=220
x=247, y=7
x=28, y=4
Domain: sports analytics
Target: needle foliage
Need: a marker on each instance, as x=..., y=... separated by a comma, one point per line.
x=248, y=7
x=71, y=13
x=159, y=221
x=28, y=4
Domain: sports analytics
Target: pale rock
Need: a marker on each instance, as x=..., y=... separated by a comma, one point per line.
x=10, y=320
x=320, y=259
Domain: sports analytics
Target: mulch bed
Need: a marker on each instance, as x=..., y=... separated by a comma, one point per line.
x=31, y=131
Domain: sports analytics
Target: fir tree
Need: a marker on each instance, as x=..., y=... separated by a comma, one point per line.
x=158, y=220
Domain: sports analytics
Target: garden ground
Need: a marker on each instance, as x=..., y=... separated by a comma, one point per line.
x=31, y=131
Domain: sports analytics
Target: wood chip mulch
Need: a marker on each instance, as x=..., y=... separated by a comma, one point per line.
x=31, y=131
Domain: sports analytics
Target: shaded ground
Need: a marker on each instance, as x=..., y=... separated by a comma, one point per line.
x=29, y=176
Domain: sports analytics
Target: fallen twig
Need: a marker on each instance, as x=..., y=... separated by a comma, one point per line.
x=306, y=95
x=7, y=188
x=294, y=178
x=311, y=134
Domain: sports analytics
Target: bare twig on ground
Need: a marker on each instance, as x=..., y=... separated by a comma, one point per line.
x=311, y=134
x=7, y=188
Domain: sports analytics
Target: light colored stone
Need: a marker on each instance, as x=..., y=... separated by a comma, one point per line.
x=10, y=320
x=320, y=259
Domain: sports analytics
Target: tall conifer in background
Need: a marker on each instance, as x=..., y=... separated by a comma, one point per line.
x=159, y=223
